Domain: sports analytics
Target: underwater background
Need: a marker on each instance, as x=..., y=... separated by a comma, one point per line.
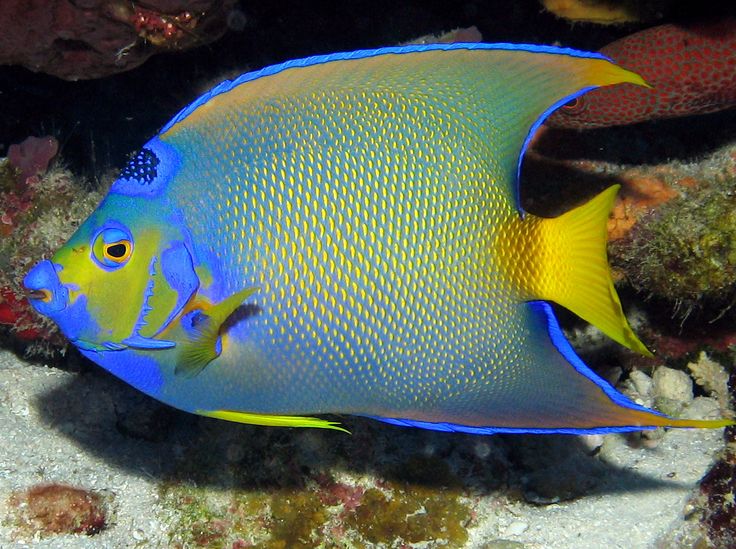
x=86, y=461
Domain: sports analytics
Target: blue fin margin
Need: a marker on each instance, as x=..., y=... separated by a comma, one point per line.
x=456, y=428
x=552, y=108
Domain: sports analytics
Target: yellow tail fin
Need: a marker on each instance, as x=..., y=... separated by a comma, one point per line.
x=574, y=271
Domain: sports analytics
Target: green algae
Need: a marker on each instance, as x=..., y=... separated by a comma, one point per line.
x=412, y=514
x=686, y=251
x=324, y=511
x=209, y=518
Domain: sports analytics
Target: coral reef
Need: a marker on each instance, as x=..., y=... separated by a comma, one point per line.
x=712, y=377
x=685, y=251
x=718, y=490
x=39, y=209
x=49, y=509
x=96, y=38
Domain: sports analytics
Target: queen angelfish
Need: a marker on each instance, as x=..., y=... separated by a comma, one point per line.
x=342, y=235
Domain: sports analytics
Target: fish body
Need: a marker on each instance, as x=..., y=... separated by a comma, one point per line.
x=691, y=70
x=341, y=234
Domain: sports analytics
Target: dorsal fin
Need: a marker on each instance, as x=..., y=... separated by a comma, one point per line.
x=507, y=89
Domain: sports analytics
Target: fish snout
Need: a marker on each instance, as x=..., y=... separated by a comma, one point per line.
x=44, y=289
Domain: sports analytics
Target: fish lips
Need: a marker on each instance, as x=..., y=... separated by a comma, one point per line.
x=50, y=297
x=44, y=289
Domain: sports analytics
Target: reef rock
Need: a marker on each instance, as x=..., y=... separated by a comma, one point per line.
x=93, y=38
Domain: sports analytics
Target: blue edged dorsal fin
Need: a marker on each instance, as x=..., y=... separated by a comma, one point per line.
x=562, y=85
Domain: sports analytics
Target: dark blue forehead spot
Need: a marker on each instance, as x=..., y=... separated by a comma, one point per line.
x=142, y=167
x=150, y=171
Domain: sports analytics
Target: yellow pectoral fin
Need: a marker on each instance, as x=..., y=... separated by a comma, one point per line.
x=573, y=267
x=201, y=347
x=272, y=420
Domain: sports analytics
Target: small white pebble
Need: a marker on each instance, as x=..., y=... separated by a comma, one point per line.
x=642, y=383
x=516, y=528
x=591, y=442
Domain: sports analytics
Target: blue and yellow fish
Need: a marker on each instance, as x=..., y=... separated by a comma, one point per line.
x=342, y=235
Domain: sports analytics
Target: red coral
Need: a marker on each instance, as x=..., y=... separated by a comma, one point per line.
x=338, y=493
x=161, y=29
x=60, y=509
x=16, y=312
x=32, y=156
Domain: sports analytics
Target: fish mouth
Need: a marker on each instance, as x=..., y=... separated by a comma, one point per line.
x=44, y=290
x=38, y=295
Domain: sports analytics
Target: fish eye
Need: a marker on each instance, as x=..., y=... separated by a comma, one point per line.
x=112, y=247
x=574, y=106
x=118, y=251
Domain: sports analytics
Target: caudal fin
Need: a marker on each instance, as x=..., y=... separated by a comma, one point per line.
x=574, y=269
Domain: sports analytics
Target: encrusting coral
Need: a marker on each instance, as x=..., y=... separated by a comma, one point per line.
x=685, y=252
x=48, y=509
x=40, y=207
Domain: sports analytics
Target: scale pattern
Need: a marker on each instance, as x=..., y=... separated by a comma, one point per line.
x=365, y=209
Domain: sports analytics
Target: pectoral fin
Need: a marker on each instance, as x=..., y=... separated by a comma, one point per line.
x=202, y=346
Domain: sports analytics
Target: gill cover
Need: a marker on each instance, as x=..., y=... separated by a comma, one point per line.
x=128, y=269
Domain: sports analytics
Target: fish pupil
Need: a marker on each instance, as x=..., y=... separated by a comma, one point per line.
x=116, y=250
